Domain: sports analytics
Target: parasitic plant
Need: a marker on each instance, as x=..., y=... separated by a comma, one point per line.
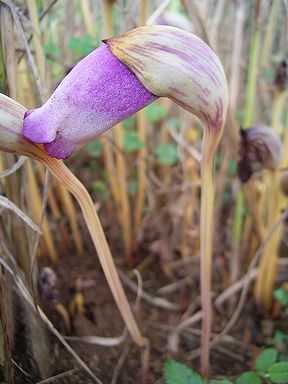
x=113, y=82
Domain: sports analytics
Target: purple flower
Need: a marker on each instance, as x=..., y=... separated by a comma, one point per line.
x=98, y=93
x=122, y=77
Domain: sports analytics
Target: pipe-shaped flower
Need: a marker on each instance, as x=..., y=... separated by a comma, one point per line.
x=122, y=77
x=98, y=93
x=174, y=63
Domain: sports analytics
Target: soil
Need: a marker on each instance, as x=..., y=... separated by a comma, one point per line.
x=101, y=317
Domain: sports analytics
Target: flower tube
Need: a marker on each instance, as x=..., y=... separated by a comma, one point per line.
x=120, y=78
x=173, y=63
x=98, y=93
x=12, y=140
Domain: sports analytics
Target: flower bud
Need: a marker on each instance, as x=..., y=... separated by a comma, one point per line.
x=174, y=63
x=259, y=144
x=122, y=77
x=281, y=76
x=98, y=93
x=284, y=184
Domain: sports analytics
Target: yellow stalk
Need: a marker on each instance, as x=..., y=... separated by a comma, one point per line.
x=206, y=236
x=26, y=97
x=12, y=187
x=34, y=201
x=68, y=25
x=267, y=267
x=6, y=334
x=55, y=209
x=66, y=177
x=51, y=197
x=277, y=108
x=87, y=16
x=118, y=185
x=69, y=209
x=268, y=263
x=110, y=168
x=143, y=11
x=26, y=92
x=124, y=198
x=192, y=176
x=59, y=307
x=39, y=51
x=253, y=202
x=248, y=121
x=142, y=166
x=271, y=24
x=109, y=164
x=107, y=18
x=142, y=153
x=186, y=226
x=8, y=47
x=40, y=59
x=166, y=169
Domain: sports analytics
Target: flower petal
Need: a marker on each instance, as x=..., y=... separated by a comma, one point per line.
x=98, y=93
x=177, y=64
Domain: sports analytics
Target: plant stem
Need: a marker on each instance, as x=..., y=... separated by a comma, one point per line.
x=206, y=236
x=142, y=135
x=252, y=78
x=70, y=181
x=266, y=50
x=39, y=51
x=125, y=214
x=248, y=121
x=87, y=16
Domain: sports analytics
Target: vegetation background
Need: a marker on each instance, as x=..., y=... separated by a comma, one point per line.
x=144, y=178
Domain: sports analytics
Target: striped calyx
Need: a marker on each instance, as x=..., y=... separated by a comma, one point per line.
x=174, y=63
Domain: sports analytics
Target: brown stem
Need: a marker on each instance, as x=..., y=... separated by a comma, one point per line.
x=70, y=181
x=206, y=235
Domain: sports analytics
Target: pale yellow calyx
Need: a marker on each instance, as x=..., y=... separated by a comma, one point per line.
x=11, y=122
x=174, y=63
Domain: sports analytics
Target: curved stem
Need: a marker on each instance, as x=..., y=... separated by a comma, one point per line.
x=70, y=181
x=206, y=235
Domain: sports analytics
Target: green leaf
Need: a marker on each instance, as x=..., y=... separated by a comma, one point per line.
x=249, y=378
x=51, y=49
x=94, y=148
x=132, y=142
x=155, y=112
x=281, y=295
x=280, y=340
x=175, y=6
x=283, y=357
x=269, y=74
x=167, y=154
x=82, y=46
x=278, y=373
x=100, y=189
x=130, y=122
x=178, y=373
x=265, y=359
x=232, y=165
x=226, y=382
x=132, y=187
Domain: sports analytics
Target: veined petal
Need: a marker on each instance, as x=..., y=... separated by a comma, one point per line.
x=174, y=63
x=97, y=94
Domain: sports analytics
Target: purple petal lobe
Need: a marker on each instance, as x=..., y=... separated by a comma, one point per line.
x=98, y=93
